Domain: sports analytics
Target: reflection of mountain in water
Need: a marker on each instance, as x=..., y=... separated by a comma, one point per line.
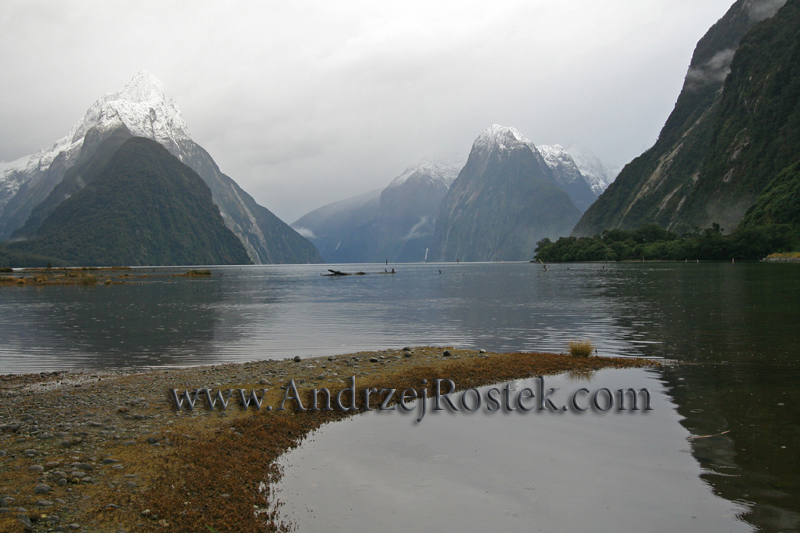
x=733, y=326
x=161, y=321
x=757, y=461
x=739, y=324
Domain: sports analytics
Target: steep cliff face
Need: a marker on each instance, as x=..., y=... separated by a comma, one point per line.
x=503, y=201
x=32, y=185
x=702, y=168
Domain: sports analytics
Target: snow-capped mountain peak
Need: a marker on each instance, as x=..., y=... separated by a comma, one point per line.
x=429, y=171
x=143, y=87
x=142, y=106
x=500, y=137
x=145, y=109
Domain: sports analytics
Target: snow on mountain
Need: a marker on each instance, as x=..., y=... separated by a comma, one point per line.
x=431, y=172
x=561, y=162
x=145, y=110
x=142, y=106
x=596, y=173
x=502, y=138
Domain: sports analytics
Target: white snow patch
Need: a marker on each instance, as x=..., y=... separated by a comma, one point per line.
x=561, y=162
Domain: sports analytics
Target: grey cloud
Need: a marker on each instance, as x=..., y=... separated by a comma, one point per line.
x=305, y=232
x=305, y=103
x=763, y=9
x=713, y=71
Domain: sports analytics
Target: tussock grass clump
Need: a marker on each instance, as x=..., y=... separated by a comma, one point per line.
x=582, y=348
x=198, y=273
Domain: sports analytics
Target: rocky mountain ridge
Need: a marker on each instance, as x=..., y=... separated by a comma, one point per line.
x=145, y=110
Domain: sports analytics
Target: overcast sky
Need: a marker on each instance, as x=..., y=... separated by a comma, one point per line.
x=305, y=103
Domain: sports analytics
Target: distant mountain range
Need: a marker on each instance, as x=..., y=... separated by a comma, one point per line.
x=395, y=224
x=435, y=211
x=728, y=154
x=32, y=187
x=509, y=195
x=734, y=128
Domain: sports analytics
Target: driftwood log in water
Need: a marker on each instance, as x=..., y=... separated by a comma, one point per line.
x=340, y=273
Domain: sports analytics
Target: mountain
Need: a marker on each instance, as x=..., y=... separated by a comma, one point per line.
x=568, y=176
x=142, y=207
x=395, y=224
x=330, y=225
x=144, y=110
x=778, y=203
x=94, y=154
x=502, y=203
x=594, y=171
x=733, y=129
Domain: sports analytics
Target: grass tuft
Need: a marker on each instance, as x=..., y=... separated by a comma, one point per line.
x=198, y=273
x=582, y=348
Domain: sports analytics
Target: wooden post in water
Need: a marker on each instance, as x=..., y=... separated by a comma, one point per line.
x=545, y=266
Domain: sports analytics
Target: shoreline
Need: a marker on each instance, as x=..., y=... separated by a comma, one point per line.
x=107, y=451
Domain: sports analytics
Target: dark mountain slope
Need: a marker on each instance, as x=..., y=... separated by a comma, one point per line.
x=757, y=133
x=672, y=183
x=502, y=203
x=97, y=149
x=267, y=238
x=395, y=224
x=779, y=203
x=331, y=225
x=144, y=208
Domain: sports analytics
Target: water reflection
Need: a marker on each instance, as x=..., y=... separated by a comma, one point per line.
x=164, y=321
x=505, y=472
x=736, y=327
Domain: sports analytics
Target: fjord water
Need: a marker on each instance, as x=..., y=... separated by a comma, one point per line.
x=734, y=327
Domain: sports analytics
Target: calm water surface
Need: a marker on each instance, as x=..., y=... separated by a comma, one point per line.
x=737, y=328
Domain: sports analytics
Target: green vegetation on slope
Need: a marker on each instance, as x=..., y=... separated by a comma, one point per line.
x=18, y=259
x=779, y=203
x=144, y=208
x=728, y=136
x=98, y=147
